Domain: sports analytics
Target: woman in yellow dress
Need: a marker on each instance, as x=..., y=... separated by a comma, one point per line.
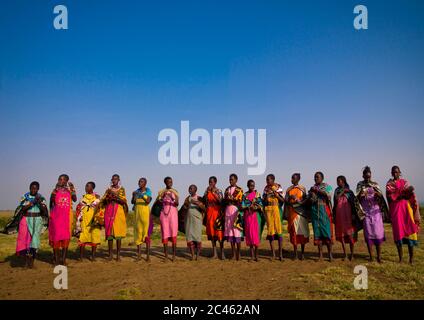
x=86, y=231
x=114, y=203
x=273, y=199
x=141, y=199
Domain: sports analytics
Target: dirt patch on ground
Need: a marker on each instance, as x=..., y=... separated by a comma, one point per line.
x=184, y=279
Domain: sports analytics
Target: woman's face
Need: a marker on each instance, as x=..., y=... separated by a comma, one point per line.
x=212, y=183
x=269, y=181
x=33, y=190
x=318, y=178
x=251, y=186
x=115, y=180
x=233, y=181
x=367, y=175
x=340, y=183
x=89, y=188
x=141, y=183
x=396, y=173
x=62, y=181
x=168, y=183
x=192, y=190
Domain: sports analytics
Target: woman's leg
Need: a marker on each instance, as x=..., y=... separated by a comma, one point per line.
x=214, y=254
x=232, y=250
x=32, y=254
x=174, y=250
x=251, y=252
x=118, y=249
x=27, y=259
x=56, y=257
x=93, y=253
x=378, y=253
x=302, y=254
x=148, y=251
x=64, y=255
x=198, y=248
x=369, y=247
x=320, y=251
x=352, y=246
x=191, y=246
x=411, y=254
x=139, y=252
x=330, y=253
x=221, y=246
x=256, y=254
x=165, y=251
x=110, y=246
x=344, y=250
x=280, y=249
x=294, y=251
x=271, y=244
x=81, y=253
x=400, y=251
x=238, y=251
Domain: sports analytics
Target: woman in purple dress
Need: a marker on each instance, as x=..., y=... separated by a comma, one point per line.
x=375, y=208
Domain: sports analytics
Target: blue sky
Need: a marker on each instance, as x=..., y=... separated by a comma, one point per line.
x=91, y=100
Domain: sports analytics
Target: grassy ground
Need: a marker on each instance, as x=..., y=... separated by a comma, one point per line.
x=205, y=279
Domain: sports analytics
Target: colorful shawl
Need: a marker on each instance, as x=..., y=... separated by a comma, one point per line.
x=363, y=185
x=142, y=195
x=358, y=213
x=300, y=208
x=163, y=191
x=109, y=212
x=40, y=205
x=253, y=201
x=217, y=197
x=235, y=201
x=88, y=201
x=268, y=195
x=392, y=192
x=314, y=197
x=109, y=196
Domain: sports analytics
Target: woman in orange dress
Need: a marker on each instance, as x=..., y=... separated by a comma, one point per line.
x=213, y=198
x=296, y=214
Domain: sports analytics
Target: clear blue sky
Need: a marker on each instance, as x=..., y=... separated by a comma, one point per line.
x=90, y=101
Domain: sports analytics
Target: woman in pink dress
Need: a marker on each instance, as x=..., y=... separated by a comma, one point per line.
x=169, y=199
x=60, y=222
x=404, y=213
x=232, y=200
x=253, y=219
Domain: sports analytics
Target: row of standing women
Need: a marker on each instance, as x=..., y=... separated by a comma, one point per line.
x=232, y=216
